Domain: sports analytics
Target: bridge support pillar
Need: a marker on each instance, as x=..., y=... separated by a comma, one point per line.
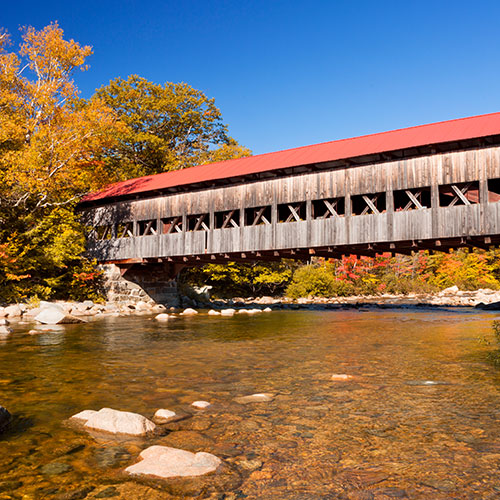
x=141, y=282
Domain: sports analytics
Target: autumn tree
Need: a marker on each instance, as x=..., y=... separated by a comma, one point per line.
x=170, y=126
x=51, y=145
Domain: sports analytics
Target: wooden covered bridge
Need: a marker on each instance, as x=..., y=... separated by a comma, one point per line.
x=432, y=187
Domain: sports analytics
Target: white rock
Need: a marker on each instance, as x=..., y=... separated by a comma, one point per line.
x=243, y=311
x=164, y=462
x=189, y=312
x=201, y=404
x=4, y=322
x=227, y=312
x=163, y=415
x=13, y=311
x=254, y=311
x=142, y=306
x=452, y=290
x=119, y=422
x=54, y=316
x=341, y=377
x=5, y=330
x=267, y=310
x=83, y=416
x=212, y=312
x=255, y=398
x=3, y=314
x=44, y=305
x=162, y=317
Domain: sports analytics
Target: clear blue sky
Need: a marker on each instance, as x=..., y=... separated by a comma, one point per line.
x=292, y=73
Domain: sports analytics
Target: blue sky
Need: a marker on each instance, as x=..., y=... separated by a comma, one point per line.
x=292, y=73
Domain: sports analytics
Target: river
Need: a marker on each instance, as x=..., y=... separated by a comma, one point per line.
x=420, y=418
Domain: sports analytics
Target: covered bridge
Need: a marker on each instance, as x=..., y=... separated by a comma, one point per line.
x=434, y=186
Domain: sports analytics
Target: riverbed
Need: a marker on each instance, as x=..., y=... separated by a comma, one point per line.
x=419, y=419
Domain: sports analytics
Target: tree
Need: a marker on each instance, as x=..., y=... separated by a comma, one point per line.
x=170, y=126
x=50, y=148
x=49, y=141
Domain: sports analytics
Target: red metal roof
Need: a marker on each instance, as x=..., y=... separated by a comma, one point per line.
x=423, y=135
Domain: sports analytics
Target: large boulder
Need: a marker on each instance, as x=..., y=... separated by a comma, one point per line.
x=13, y=311
x=55, y=315
x=115, y=422
x=166, y=462
x=5, y=418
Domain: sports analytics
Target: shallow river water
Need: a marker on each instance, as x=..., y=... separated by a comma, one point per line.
x=387, y=433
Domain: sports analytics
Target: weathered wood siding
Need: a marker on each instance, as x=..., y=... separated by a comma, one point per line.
x=432, y=222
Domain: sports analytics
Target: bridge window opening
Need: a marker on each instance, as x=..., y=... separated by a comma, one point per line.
x=365, y=204
x=125, y=230
x=171, y=225
x=198, y=222
x=257, y=216
x=147, y=227
x=103, y=232
x=412, y=199
x=328, y=208
x=466, y=193
x=493, y=190
x=227, y=219
x=292, y=212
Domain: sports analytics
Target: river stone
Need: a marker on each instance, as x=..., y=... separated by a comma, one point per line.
x=164, y=416
x=162, y=317
x=117, y=422
x=188, y=440
x=267, y=310
x=341, y=377
x=189, y=312
x=54, y=316
x=165, y=462
x=255, y=398
x=83, y=416
x=55, y=468
x=4, y=322
x=212, y=312
x=227, y=312
x=111, y=456
x=5, y=330
x=5, y=418
x=13, y=311
x=201, y=405
x=108, y=492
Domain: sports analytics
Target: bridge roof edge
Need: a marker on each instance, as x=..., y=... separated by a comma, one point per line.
x=343, y=149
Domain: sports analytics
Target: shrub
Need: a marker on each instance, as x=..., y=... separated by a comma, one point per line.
x=312, y=281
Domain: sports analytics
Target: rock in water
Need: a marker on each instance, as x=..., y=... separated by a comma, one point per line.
x=56, y=316
x=255, y=398
x=165, y=462
x=201, y=404
x=163, y=416
x=341, y=377
x=189, y=312
x=162, y=317
x=227, y=312
x=83, y=416
x=13, y=311
x=116, y=422
x=212, y=312
x=5, y=418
